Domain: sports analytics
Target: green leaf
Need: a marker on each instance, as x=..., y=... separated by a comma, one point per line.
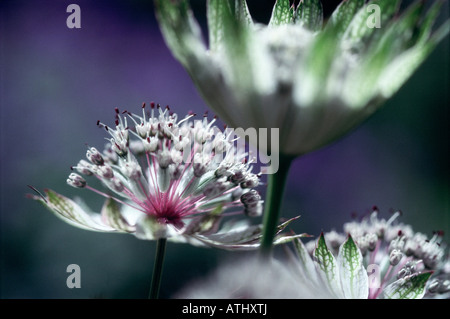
x=309, y=14
x=282, y=13
x=344, y=14
x=327, y=266
x=353, y=275
x=410, y=287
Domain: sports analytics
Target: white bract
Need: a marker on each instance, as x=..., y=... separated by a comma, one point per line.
x=314, y=82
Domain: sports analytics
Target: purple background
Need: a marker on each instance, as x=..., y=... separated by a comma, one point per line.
x=57, y=82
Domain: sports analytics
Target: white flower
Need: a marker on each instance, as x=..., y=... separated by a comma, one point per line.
x=377, y=259
x=314, y=82
x=167, y=178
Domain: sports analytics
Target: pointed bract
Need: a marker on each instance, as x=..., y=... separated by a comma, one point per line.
x=411, y=287
x=353, y=275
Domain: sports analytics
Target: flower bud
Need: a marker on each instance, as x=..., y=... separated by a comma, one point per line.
x=84, y=167
x=251, y=197
x=76, y=181
x=94, y=156
x=105, y=171
x=250, y=182
x=395, y=256
x=254, y=209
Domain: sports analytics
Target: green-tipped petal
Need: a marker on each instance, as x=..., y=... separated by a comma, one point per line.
x=327, y=267
x=309, y=14
x=411, y=287
x=242, y=13
x=353, y=275
x=282, y=13
x=215, y=11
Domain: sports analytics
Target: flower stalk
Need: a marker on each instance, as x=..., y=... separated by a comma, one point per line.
x=274, y=197
x=158, y=268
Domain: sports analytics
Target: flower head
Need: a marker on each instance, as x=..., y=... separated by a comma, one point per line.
x=376, y=258
x=167, y=177
x=313, y=81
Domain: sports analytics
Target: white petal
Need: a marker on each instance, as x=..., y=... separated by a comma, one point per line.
x=72, y=213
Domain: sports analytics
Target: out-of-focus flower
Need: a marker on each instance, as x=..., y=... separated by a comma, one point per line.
x=167, y=178
x=377, y=259
x=252, y=279
x=314, y=82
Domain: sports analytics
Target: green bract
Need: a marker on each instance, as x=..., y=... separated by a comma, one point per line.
x=313, y=81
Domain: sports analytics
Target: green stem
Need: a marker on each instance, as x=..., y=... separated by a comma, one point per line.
x=274, y=196
x=158, y=267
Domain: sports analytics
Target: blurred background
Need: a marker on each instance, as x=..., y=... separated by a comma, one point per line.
x=57, y=82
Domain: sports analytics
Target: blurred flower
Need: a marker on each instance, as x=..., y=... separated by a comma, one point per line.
x=174, y=180
x=251, y=279
x=313, y=82
x=377, y=259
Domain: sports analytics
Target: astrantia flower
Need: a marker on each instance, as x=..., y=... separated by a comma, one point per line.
x=313, y=81
x=376, y=258
x=167, y=178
